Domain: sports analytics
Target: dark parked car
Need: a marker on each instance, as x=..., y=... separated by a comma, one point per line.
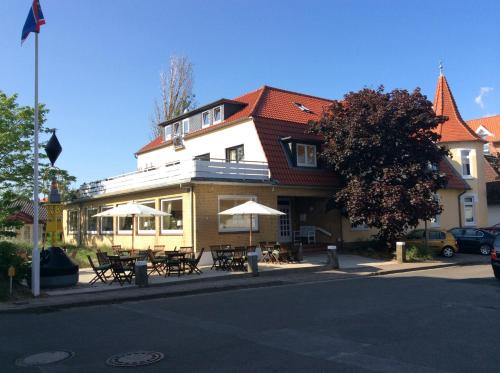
x=473, y=240
x=495, y=257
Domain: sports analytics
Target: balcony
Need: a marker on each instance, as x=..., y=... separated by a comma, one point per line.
x=177, y=173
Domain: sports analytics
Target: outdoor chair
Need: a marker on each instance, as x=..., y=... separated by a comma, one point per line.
x=121, y=273
x=159, y=248
x=188, y=250
x=173, y=264
x=116, y=248
x=215, y=251
x=239, y=258
x=193, y=263
x=99, y=271
x=102, y=258
x=156, y=264
x=142, y=255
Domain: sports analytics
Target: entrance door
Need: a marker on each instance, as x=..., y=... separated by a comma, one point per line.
x=285, y=223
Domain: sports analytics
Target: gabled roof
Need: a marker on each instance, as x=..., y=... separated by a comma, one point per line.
x=26, y=211
x=492, y=124
x=454, y=129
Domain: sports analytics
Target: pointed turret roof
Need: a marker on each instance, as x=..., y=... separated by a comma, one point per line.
x=454, y=129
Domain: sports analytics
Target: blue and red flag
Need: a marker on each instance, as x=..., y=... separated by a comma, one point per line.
x=34, y=21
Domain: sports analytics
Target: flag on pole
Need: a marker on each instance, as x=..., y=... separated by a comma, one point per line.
x=34, y=21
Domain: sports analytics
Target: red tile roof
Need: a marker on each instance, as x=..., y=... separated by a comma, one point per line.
x=492, y=124
x=270, y=134
x=490, y=174
x=276, y=116
x=454, y=129
x=455, y=181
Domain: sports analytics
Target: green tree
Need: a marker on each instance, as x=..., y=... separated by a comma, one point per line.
x=385, y=150
x=16, y=158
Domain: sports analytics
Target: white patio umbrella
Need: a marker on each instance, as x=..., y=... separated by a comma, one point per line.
x=251, y=208
x=133, y=210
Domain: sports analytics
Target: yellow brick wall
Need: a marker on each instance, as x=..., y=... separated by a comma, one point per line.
x=141, y=241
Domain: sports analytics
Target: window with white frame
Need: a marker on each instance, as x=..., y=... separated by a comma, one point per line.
x=236, y=223
x=306, y=155
x=217, y=114
x=91, y=219
x=465, y=161
x=72, y=221
x=173, y=223
x=205, y=119
x=185, y=126
x=106, y=221
x=235, y=154
x=146, y=224
x=168, y=132
x=125, y=224
x=436, y=220
x=469, y=210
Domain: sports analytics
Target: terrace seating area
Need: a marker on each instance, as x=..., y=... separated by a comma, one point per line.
x=119, y=265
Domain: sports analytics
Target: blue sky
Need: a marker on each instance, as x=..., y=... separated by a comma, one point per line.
x=100, y=60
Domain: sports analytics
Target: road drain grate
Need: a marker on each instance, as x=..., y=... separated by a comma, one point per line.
x=44, y=358
x=135, y=359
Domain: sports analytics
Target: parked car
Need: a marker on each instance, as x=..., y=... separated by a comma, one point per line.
x=495, y=257
x=439, y=241
x=474, y=240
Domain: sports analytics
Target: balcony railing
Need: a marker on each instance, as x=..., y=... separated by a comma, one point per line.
x=175, y=173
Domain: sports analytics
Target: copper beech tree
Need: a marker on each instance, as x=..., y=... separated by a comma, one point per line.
x=383, y=147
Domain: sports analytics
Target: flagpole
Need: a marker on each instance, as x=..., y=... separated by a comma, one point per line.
x=35, y=264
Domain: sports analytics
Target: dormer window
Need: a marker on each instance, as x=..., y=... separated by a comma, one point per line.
x=168, y=133
x=302, y=107
x=205, y=119
x=306, y=155
x=217, y=114
x=185, y=126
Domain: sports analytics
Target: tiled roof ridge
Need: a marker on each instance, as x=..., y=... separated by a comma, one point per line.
x=257, y=103
x=483, y=118
x=299, y=93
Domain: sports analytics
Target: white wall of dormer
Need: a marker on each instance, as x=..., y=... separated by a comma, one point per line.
x=214, y=143
x=484, y=130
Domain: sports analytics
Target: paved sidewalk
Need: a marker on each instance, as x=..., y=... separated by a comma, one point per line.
x=313, y=269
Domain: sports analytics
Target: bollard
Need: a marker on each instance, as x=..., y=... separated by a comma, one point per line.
x=333, y=259
x=253, y=264
x=300, y=253
x=400, y=252
x=141, y=273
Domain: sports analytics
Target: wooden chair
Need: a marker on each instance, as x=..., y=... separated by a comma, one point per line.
x=157, y=264
x=188, y=250
x=121, y=273
x=173, y=264
x=238, y=259
x=193, y=263
x=214, y=250
x=99, y=271
x=143, y=255
x=116, y=248
x=158, y=248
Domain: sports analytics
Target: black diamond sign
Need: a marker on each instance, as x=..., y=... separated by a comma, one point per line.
x=53, y=148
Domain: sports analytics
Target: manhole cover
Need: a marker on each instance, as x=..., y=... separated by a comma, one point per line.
x=134, y=359
x=44, y=358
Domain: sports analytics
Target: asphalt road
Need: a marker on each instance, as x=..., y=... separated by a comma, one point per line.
x=444, y=320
